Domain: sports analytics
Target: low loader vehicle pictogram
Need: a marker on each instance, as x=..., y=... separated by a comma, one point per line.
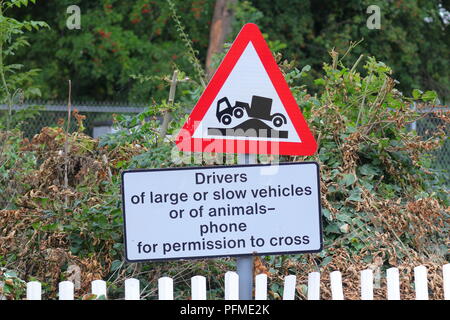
x=260, y=108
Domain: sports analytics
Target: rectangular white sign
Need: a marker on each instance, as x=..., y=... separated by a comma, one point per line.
x=199, y=212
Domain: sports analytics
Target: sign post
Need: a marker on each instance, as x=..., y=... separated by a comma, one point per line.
x=244, y=264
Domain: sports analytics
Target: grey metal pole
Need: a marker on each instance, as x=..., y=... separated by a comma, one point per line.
x=244, y=264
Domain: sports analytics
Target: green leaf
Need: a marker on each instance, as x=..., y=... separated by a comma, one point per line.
x=319, y=82
x=368, y=170
x=305, y=70
x=52, y=227
x=416, y=93
x=43, y=201
x=115, y=265
x=10, y=274
x=355, y=195
x=347, y=179
x=326, y=261
x=36, y=225
x=429, y=96
x=343, y=217
x=326, y=213
x=332, y=228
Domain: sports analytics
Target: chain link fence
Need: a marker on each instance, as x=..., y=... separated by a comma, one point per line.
x=425, y=127
x=99, y=117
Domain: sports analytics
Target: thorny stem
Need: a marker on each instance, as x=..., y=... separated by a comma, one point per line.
x=387, y=87
x=353, y=44
x=167, y=114
x=188, y=43
x=356, y=64
x=361, y=106
x=66, y=142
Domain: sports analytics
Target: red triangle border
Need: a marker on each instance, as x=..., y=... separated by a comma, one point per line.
x=185, y=142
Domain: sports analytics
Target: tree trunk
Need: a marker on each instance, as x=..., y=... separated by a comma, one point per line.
x=220, y=28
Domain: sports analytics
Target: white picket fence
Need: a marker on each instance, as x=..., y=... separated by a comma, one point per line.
x=198, y=286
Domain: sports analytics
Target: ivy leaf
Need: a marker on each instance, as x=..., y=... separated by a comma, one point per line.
x=347, y=179
x=326, y=261
x=332, y=228
x=327, y=214
x=355, y=195
x=115, y=265
x=368, y=170
x=10, y=274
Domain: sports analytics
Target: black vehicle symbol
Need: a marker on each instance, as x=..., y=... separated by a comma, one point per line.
x=259, y=109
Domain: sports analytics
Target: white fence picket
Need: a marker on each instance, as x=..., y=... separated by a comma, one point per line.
x=231, y=286
x=446, y=279
x=98, y=287
x=2, y=297
x=66, y=290
x=34, y=290
x=165, y=288
x=421, y=282
x=336, y=286
x=393, y=284
x=314, y=286
x=198, y=288
x=132, y=290
x=367, y=285
x=289, y=287
x=261, y=287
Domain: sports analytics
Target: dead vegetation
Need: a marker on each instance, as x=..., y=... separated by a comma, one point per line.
x=34, y=236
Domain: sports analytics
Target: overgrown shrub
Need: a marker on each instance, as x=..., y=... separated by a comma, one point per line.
x=382, y=205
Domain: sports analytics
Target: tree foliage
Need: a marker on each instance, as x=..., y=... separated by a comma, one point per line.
x=117, y=40
x=15, y=83
x=413, y=39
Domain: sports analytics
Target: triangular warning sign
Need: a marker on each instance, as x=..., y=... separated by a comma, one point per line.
x=247, y=106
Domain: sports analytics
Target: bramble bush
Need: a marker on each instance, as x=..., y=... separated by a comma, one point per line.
x=382, y=205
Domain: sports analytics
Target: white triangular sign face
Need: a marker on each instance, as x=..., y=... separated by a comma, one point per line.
x=248, y=78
